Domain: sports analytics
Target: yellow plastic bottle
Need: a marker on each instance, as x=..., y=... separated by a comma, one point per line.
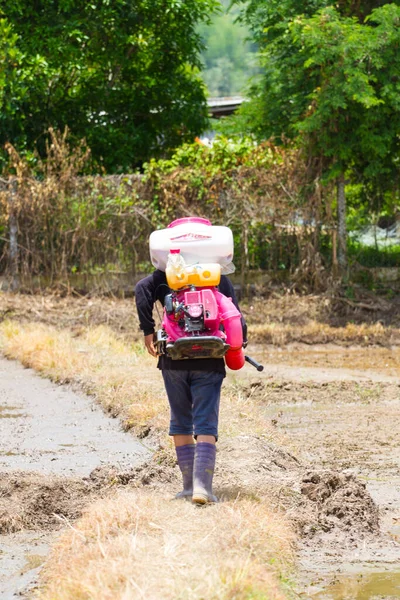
x=180, y=275
x=205, y=274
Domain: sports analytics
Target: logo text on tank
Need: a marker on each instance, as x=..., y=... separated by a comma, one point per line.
x=189, y=237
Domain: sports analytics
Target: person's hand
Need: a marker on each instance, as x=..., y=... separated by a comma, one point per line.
x=149, y=343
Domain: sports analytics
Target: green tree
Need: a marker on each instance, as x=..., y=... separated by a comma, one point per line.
x=333, y=83
x=17, y=76
x=122, y=74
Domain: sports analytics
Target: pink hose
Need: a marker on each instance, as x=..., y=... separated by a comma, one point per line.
x=231, y=319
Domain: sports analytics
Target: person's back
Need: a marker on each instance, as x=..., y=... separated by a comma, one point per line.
x=193, y=385
x=193, y=388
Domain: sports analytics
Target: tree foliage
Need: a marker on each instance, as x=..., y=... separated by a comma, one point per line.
x=123, y=75
x=331, y=82
x=336, y=81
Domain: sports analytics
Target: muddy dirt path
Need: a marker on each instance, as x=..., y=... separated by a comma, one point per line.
x=349, y=420
x=333, y=409
x=48, y=430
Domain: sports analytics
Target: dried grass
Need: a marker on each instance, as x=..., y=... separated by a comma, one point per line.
x=69, y=224
x=276, y=320
x=280, y=334
x=72, y=312
x=140, y=546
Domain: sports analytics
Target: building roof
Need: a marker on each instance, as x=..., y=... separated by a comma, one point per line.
x=224, y=106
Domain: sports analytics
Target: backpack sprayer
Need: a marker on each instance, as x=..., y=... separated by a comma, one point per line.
x=198, y=321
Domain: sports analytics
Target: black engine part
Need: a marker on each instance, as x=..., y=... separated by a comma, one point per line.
x=197, y=347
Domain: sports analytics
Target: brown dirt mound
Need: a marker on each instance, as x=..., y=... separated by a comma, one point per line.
x=160, y=471
x=32, y=501
x=341, y=503
x=316, y=501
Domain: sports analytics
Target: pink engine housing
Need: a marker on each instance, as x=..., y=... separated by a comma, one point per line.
x=217, y=310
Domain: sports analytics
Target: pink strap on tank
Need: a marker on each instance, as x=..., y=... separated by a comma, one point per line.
x=189, y=220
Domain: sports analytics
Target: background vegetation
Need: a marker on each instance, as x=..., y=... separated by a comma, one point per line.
x=331, y=83
x=71, y=227
x=313, y=154
x=69, y=224
x=122, y=75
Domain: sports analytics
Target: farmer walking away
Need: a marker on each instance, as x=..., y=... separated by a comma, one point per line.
x=202, y=329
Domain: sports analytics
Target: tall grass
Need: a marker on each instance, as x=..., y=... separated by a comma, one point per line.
x=69, y=224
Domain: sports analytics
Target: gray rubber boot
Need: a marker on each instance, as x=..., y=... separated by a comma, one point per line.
x=185, y=456
x=204, y=465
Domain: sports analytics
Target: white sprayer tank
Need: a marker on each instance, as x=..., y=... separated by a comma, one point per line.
x=197, y=240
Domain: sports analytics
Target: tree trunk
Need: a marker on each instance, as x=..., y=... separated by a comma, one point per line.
x=342, y=230
x=13, y=233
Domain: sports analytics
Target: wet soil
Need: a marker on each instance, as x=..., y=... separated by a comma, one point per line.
x=51, y=441
x=348, y=421
x=51, y=429
x=21, y=557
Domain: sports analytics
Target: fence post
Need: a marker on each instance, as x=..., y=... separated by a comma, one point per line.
x=13, y=234
x=334, y=252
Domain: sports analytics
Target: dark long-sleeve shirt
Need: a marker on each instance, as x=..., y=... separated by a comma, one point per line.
x=155, y=287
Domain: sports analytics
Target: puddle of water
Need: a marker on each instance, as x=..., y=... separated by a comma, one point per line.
x=367, y=586
x=21, y=557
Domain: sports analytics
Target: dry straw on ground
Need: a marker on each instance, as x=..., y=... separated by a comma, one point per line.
x=280, y=334
x=140, y=545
